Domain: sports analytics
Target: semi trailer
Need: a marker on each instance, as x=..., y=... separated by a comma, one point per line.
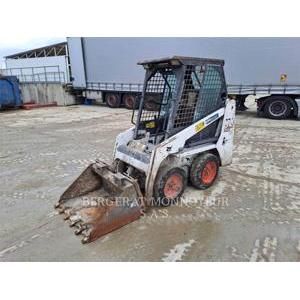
x=265, y=68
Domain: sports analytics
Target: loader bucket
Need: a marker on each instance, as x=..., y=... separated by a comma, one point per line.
x=100, y=201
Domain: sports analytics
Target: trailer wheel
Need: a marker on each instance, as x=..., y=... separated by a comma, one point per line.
x=204, y=170
x=129, y=101
x=278, y=107
x=151, y=104
x=113, y=100
x=169, y=186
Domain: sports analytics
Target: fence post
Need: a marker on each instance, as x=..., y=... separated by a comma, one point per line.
x=59, y=74
x=21, y=74
x=45, y=71
x=32, y=75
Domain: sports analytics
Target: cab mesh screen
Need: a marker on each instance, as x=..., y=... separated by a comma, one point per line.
x=159, y=91
x=201, y=94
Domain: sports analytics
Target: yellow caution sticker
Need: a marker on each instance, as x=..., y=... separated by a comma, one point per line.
x=150, y=125
x=199, y=126
x=283, y=77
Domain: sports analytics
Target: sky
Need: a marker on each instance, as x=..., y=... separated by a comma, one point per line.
x=13, y=45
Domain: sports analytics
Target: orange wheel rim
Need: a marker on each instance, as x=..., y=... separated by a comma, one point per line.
x=173, y=186
x=209, y=172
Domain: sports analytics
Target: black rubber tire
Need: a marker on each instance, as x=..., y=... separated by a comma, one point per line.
x=113, y=100
x=129, y=101
x=197, y=168
x=279, y=103
x=160, y=198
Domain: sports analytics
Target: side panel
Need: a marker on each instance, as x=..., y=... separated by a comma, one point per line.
x=173, y=145
x=247, y=60
x=76, y=55
x=225, y=142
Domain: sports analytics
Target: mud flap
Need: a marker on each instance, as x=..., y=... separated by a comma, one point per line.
x=100, y=201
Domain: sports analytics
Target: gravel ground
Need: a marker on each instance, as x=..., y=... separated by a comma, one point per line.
x=252, y=213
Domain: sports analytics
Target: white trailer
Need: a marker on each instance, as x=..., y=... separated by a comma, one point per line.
x=263, y=67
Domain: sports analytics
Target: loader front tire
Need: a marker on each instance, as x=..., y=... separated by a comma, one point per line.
x=204, y=170
x=169, y=186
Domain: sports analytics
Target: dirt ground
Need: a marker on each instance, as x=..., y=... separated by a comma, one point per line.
x=252, y=213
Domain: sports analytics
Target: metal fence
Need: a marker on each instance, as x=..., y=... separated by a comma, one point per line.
x=45, y=74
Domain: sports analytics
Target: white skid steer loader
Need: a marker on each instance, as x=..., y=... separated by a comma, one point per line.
x=183, y=131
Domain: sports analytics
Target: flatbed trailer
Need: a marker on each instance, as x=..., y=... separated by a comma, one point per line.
x=279, y=101
x=251, y=64
x=273, y=101
x=125, y=95
x=117, y=94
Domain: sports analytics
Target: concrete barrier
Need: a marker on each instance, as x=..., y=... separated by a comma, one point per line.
x=45, y=93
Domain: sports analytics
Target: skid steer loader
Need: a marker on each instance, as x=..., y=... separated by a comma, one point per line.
x=184, y=135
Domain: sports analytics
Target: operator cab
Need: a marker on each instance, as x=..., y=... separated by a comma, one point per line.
x=179, y=91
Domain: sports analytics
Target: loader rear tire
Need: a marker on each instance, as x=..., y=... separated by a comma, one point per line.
x=169, y=186
x=204, y=170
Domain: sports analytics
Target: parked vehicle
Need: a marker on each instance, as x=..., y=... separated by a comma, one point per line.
x=117, y=94
x=262, y=67
x=273, y=101
x=186, y=140
x=10, y=95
